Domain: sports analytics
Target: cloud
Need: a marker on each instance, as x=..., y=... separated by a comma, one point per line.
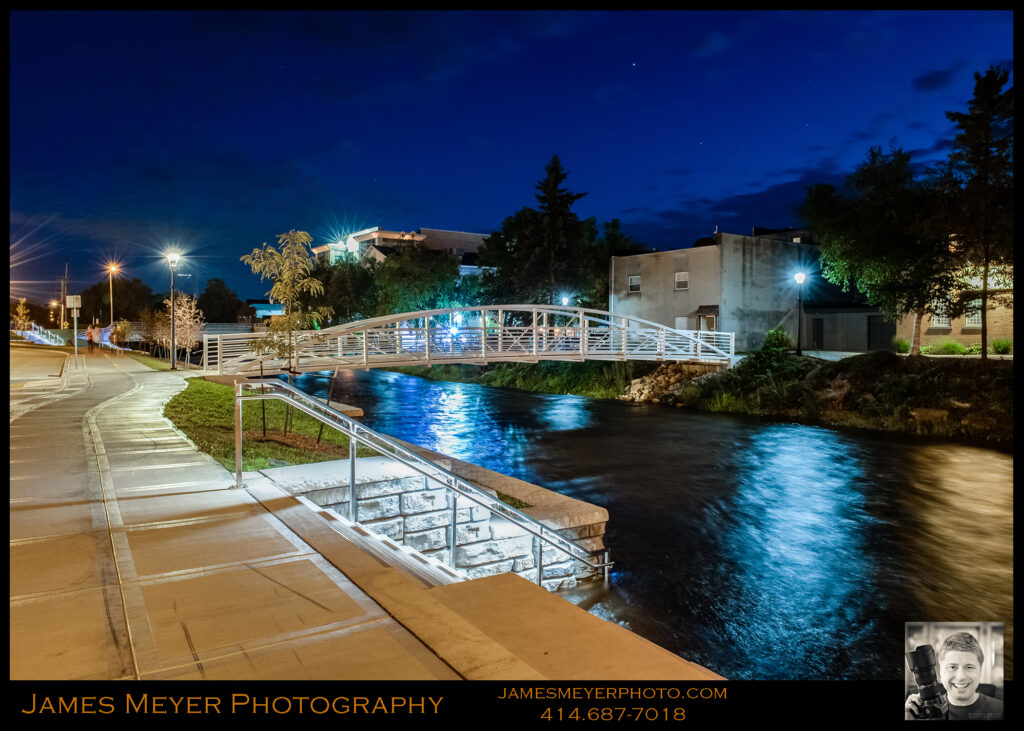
x=935, y=80
x=773, y=206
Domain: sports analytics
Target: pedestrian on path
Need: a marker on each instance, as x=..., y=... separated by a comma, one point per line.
x=89, y=338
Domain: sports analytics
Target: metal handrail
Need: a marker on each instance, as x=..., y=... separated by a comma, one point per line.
x=44, y=334
x=359, y=433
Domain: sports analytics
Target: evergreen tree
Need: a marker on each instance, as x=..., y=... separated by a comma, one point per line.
x=979, y=188
x=540, y=254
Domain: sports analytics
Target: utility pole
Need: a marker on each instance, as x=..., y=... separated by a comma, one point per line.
x=63, y=294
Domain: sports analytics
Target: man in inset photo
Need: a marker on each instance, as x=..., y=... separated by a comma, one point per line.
x=960, y=660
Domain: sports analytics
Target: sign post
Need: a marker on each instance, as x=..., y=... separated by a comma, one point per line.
x=74, y=301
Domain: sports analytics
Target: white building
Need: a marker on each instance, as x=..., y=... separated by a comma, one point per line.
x=375, y=244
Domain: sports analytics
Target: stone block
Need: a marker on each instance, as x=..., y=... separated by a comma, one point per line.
x=426, y=521
x=438, y=554
x=366, y=490
x=490, y=569
x=423, y=501
x=427, y=539
x=473, y=532
x=558, y=570
x=525, y=564
x=567, y=582
x=390, y=527
x=377, y=508
x=475, y=554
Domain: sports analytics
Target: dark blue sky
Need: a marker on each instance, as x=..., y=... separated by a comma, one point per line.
x=132, y=132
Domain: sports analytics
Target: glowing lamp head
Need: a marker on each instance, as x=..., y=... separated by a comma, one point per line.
x=565, y=301
x=172, y=259
x=112, y=268
x=799, y=277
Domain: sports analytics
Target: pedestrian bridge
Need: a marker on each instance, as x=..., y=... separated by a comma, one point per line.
x=478, y=335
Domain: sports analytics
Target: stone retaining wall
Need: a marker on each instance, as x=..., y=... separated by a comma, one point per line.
x=394, y=500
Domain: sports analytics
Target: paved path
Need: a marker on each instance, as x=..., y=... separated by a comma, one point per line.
x=133, y=556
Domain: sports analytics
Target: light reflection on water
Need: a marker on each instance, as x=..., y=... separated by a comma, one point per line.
x=762, y=551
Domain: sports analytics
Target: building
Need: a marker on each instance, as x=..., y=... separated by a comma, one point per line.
x=746, y=285
x=733, y=283
x=375, y=244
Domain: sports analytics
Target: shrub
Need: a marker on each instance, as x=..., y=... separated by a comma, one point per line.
x=1002, y=347
x=902, y=346
x=947, y=348
x=776, y=339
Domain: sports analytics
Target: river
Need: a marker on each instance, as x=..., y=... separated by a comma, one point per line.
x=768, y=551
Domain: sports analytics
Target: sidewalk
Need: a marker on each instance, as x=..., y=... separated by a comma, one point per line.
x=133, y=556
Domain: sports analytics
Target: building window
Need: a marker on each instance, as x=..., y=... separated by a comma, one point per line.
x=939, y=320
x=682, y=280
x=634, y=283
x=973, y=317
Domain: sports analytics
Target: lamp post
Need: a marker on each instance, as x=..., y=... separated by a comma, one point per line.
x=172, y=260
x=799, y=277
x=111, y=269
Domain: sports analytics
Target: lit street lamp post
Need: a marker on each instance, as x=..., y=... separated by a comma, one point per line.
x=111, y=269
x=172, y=260
x=799, y=277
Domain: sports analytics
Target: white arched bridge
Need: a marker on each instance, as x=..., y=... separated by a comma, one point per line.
x=494, y=333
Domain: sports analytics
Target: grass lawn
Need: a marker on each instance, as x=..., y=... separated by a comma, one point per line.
x=205, y=412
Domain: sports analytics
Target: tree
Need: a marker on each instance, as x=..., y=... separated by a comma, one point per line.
x=220, y=303
x=979, y=193
x=131, y=296
x=22, y=319
x=349, y=289
x=415, y=278
x=882, y=237
x=290, y=269
x=540, y=254
x=594, y=289
x=188, y=322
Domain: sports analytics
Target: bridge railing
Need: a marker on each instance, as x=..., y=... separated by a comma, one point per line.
x=467, y=335
x=455, y=486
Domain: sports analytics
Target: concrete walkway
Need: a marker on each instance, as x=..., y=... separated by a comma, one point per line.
x=133, y=556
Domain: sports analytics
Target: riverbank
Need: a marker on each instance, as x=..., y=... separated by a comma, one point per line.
x=965, y=399
x=591, y=378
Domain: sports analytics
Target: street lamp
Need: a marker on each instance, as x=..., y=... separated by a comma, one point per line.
x=799, y=277
x=172, y=261
x=111, y=268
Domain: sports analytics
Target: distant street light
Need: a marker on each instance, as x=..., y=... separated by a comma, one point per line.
x=799, y=277
x=111, y=269
x=172, y=260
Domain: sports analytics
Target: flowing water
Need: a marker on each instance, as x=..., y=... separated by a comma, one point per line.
x=770, y=551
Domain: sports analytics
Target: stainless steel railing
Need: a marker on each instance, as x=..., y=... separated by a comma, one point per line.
x=455, y=486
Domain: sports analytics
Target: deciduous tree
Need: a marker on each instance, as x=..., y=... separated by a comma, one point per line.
x=880, y=236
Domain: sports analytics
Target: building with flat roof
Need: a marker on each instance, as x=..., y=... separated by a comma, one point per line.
x=375, y=244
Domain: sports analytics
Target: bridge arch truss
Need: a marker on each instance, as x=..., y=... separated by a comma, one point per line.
x=478, y=335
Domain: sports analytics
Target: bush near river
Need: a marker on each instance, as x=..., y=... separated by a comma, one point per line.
x=962, y=398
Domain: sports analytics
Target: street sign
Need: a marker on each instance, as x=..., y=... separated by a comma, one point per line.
x=74, y=301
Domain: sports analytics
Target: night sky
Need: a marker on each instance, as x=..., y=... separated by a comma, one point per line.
x=212, y=132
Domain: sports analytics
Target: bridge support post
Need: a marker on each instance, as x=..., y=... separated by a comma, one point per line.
x=535, y=331
x=583, y=334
